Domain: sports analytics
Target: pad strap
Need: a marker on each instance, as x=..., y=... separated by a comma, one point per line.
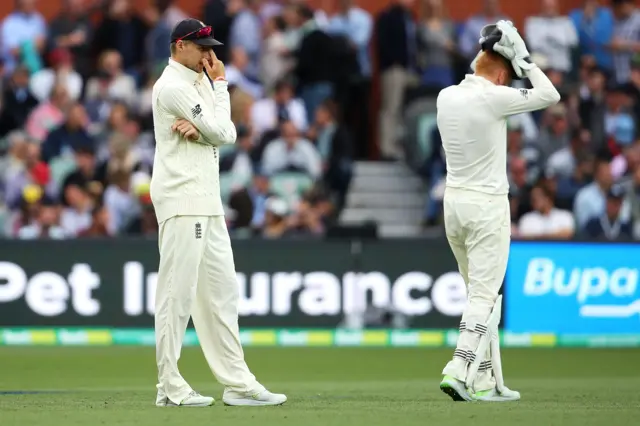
x=480, y=329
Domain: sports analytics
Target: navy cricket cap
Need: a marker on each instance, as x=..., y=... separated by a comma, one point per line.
x=195, y=31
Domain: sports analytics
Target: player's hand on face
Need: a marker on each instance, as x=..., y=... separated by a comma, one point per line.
x=186, y=129
x=213, y=66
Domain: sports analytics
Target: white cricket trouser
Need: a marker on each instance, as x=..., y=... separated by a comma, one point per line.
x=197, y=278
x=478, y=228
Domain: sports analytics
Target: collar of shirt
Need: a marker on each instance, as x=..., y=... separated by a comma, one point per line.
x=476, y=79
x=186, y=73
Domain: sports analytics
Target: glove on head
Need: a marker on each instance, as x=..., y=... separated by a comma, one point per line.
x=493, y=39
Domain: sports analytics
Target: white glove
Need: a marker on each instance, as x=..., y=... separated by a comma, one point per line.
x=512, y=47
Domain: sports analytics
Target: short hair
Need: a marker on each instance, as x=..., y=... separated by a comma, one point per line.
x=489, y=62
x=172, y=48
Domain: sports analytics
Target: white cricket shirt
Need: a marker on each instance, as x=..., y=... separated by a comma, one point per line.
x=186, y=178
x=472, y=119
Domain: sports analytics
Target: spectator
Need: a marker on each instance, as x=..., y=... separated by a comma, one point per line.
x=70, y=136
x=619, y=126
x=291, y=152
x=633, y=197
x=469, y=37
x=397, y=50
x=567, y=187
x=311, y=216
x=594, y=24
x=61, y=72
x=123, y=31
x=23, y=35
x=33, y=171
x=72, y=30
x=241, y=215
x=48, y=115
x=316, y=63
x=626, y=37
x=237, y=73
x=356, y=25
x=170, y=12
x=259, y=192
x=275, y=222
x=590, y=200
x=158, y=38
x=220, y=15
x=593, y=105
x=353, y=28
x=562, y=163
x=554, y=134
x=122, y=158
x=612, y=223
x=545, y=221
x=519, y=188
x=79, y=213
x=623, y=165
x=99, y=224
x=46, y=224
x=274, y=63
x=437, y=45
x=241, y=105
x=84, y=175
x=120, y=202
x=246, y=32
x=238, y=162
x=552, y=35
x=111, y=83
x=13, y=162
x=265, y=112
x=17, y=102
x=146, y=224
x=336, y=149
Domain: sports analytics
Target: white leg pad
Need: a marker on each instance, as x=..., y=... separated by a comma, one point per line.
x=488, y=340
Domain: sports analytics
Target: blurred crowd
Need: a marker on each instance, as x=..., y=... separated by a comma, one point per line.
x=574, y=169
x=77, y=129
x=77, y=133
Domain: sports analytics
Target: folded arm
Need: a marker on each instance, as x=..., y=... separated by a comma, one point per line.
x=213, y=124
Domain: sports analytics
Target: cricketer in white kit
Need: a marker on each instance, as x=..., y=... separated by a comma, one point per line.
x=471, y=117
x=197, y=276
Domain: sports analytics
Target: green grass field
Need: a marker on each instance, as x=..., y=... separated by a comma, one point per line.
x=326, y=387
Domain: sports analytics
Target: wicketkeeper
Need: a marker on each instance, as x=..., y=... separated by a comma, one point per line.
x=472, y=121
x=197, y=276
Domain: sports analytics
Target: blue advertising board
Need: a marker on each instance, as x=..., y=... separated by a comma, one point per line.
x=573, y=288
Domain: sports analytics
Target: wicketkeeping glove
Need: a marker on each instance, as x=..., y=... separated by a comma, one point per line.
x=512, y=47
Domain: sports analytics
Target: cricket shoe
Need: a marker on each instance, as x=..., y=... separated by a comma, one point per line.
x=492, y=395
x=249, y=399
x=194, y=399
x=455, y=388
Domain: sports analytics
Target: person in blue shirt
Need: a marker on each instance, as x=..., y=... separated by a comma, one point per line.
x=594, y=24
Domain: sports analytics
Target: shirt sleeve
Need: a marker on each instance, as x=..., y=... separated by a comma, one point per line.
x=214, y=124
x=506, y=101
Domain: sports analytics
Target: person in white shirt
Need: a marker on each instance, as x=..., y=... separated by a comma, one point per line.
x=545, y=221
x=196, y=276
x=291, y=152
x=472, y=119
x=553, y=35
x=265, y=112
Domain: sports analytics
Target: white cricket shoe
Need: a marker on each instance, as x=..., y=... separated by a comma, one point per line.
x=492, y=395
x=262, y=398
x=455, y=388
x=194, y=399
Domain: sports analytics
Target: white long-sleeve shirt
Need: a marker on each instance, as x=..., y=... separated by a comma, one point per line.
x=472, y=119
x=186, y=178
x=554, y=37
